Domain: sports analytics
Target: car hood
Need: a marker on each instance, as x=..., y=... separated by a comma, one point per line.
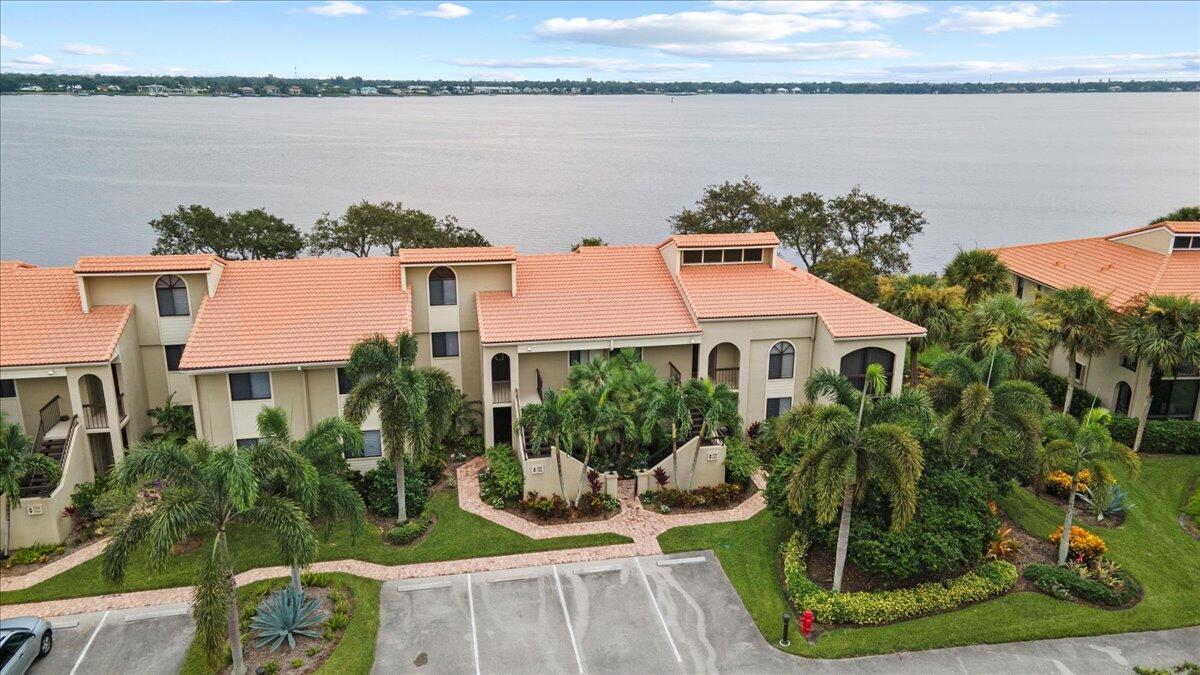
x=28, y=623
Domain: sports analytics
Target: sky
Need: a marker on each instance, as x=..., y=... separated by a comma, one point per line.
x=720, y=40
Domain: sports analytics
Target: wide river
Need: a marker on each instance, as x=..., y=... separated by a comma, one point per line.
x=83, y=175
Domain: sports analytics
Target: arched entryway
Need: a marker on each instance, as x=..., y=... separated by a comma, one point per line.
x=724, y=362
x=1122, y=398
x=854, y=365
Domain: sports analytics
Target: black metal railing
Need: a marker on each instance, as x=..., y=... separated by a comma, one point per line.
x=95, y=416
x=676, y=376
x=725, y=376
x=49, y=415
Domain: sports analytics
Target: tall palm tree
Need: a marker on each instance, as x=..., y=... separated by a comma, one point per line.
x=322, y=487
x=19, y=461
x=667, y=405
x=844, y=455
x=588, y=414
x=911, y=407
x=415, y=404
x=928, y=302
x=1079, y=321
x=1003, y=322
x=1163, y=332
x=716, y=405
x=206, y=490
x=1085, y=445
x=981, y=273
x=548, y=425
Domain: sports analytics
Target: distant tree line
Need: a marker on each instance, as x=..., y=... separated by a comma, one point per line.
x=363, y=229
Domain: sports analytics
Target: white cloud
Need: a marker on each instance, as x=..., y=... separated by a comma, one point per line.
x=790, y=51
x=34, y=60
x=1174, y=65
x=684, y=27
x=883, y=11
x=447, y=10
x=9, y=44
x=82, y=49
x=582, y=62
x=337, y=8
x=997, y=19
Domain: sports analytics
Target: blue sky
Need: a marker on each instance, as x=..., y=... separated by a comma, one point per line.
x=719, y=40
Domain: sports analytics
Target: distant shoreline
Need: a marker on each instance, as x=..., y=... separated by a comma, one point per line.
x=642, y=93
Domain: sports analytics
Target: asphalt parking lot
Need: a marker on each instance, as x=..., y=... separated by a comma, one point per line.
x=145, y=640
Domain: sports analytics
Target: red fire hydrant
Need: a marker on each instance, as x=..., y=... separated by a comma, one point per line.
x=806, y=623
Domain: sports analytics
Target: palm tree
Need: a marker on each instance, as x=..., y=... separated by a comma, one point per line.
x=547, y=423
x=842, y=458
x=667, y=405
x=19, y=461
x=1082, y=323
x=324, y=492
x=1002, y=322
x=911, y=407
x=716, y=405
x=1085, y=445
x=981, y=273
x=1164, y=332
x=206, y=489
x=415, y=404
x=589, y=413
x=924, y=300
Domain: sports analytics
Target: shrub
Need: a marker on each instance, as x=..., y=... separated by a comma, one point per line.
x=1061, y=582
x=1083, y=544
x=1055, y=387
x=1004, y=546
x=378, y=489
x=863, y=608
x=409, y=531
x=433, y=467
x=1106, y=500
x=38, y=553
x=740, y=461
x=1165, y=436
x=284, y=615
x=297, y=662
x=595, y=482
x=337, y=621
x=660, y=477
x=271, y=667
x=546, y=508
x=503, y=480
x=761, y=437
x=1059, y=482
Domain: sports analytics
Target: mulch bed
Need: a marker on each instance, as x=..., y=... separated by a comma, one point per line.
x=1188, y=526
x=537, y=519
x=1083, y=513
x=73, y=543
x=260, y=656
x=682, y=510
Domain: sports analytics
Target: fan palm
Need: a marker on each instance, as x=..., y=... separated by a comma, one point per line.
x=1002, y=322
x=667, y=406
x=19, y=461
x=207, y=489
x=415, y=404
x=1085, y=445
x=1079, y=321
x=589, y=412
x=844, y=455
x=324, y=492
x=1163, y=332
x=547, y=424
x=924, y=300
x=716, y=406
x=981, y=273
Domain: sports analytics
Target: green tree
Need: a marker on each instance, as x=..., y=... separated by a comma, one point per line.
x=803, y=225
x=387, y=225
x=589, y=413
x=667, y=406
x=928, y=302
x=875, y=229
x=728, y=207
x=171, y=422
x=547, y=423
x=262, y=235
x=716, y=408
x=844, y=457
x=981, y=273
x=588, y=241
x=1184, y=213
x=415, y=404
x=238, y=235
x=1081, y=323
x=850, y=273
x=19, y=460
x=206, y=490
x=1004, y=323
x=1083, y=445
x=1163, y=332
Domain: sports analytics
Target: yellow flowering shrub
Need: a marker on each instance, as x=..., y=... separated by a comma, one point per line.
x=1083, y=543
x=1059, y=482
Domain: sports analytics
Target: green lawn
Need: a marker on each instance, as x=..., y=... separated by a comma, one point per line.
x=456, y=535
x=1150, y=544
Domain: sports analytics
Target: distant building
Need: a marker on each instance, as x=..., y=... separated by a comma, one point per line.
x=30, y=87
x=270, y=90
x=152, y=89
x=368, y=91
x=295, y=90
x=1114, y=88
x=483, y=89
x=353, y=92
x=246, y=91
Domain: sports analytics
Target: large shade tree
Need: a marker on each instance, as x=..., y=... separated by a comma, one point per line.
x=928, y=302
x=1081, y=323
x=19, y=461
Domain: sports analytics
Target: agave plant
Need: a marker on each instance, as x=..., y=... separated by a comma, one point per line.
x=1106, y=500
x=285, y=614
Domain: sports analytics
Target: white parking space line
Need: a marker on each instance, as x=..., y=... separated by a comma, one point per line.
x=520, y=577
x=64, y=624
x=661, y=619
x=88, y=646
x=159, y=614
x=681, y=561
x=424, y=587
x=562, y=599
x=474, y=634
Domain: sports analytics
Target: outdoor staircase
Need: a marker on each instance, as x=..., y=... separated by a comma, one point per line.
x=55, y=448
x=697, y=422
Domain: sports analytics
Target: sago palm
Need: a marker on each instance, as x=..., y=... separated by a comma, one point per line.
x=1085, y=445
x=843, y=456
x=667, y=406
x=980, y=273
x=588, y=414
x=1081, y=323
x=716, y=406
x=928, y=302
x=1002, y=322
x=415, y=404
x=205, y=490
x=19, y=461
x=547, y=423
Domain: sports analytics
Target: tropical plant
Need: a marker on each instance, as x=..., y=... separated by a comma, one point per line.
x=206, y=490
x=668, y=406
x=716, y=407
x=1163, y=331
x=1004, y=546
x=1085, y=444
x=1106, y=500
x=1081, y=323
x=1004, y=323
x=171, y=422
x=18, y=462
x=844, y=456
x=1183, y=213
x=415, y=404
x=284, y=615
x=981, y=273
x=547, y=425
x=591, y=412
x=928, y=302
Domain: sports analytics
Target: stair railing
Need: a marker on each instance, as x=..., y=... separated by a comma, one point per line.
x=48, y=416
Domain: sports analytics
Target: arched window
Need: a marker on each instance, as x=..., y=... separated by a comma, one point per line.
x=172, y=296
x=854, y=365
x=782, y=363
x=443, y=287
x=1122, y=399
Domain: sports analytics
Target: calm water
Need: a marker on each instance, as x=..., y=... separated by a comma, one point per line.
x=83, y=175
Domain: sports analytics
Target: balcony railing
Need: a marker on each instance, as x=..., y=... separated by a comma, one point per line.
x=725, y=376
x=95, y=416
x=502, y=391
x=48, y=416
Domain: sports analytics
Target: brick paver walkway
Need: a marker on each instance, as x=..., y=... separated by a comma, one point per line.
x=634, y=522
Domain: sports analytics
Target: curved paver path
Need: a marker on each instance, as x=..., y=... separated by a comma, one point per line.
x=634, y=522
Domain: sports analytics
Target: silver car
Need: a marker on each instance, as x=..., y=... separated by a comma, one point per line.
x=23, y=640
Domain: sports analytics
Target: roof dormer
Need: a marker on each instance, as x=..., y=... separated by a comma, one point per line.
x=719, y=249
x=1163, y=238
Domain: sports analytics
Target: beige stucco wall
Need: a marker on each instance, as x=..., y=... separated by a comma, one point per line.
x=154, y=370
x=660, y=357
x=138, y=290
x=133, y=386
x=213, y=417
x=754, y=339
x=288, y=392
x=47, y=525
x=541, y=476
x=552, y=365
x=1158, y=241
x=1103, y=373
x=33, y=393
x=710, y=467
x=828, y=353
x=322, y=393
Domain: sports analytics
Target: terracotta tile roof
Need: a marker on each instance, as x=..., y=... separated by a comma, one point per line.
x=722, y=240
x=758, y=290
x=146, y=263
x=596, y=292
x=309, y=310
x=1120, y=271
x=42, y=321
x=1175, y=226
x=416, y=256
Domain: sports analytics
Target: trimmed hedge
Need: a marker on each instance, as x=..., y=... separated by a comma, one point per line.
x=1057, y=581
x=410, y=530
x=986, y=581
x=1179, y=437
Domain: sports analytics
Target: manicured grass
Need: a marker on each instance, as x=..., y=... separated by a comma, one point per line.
x=457, y=534
x=354, y=654
x=1150, y=544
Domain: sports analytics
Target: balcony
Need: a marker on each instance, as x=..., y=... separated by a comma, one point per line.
x=725, y=376
x=95, y=415
x=502, y=392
